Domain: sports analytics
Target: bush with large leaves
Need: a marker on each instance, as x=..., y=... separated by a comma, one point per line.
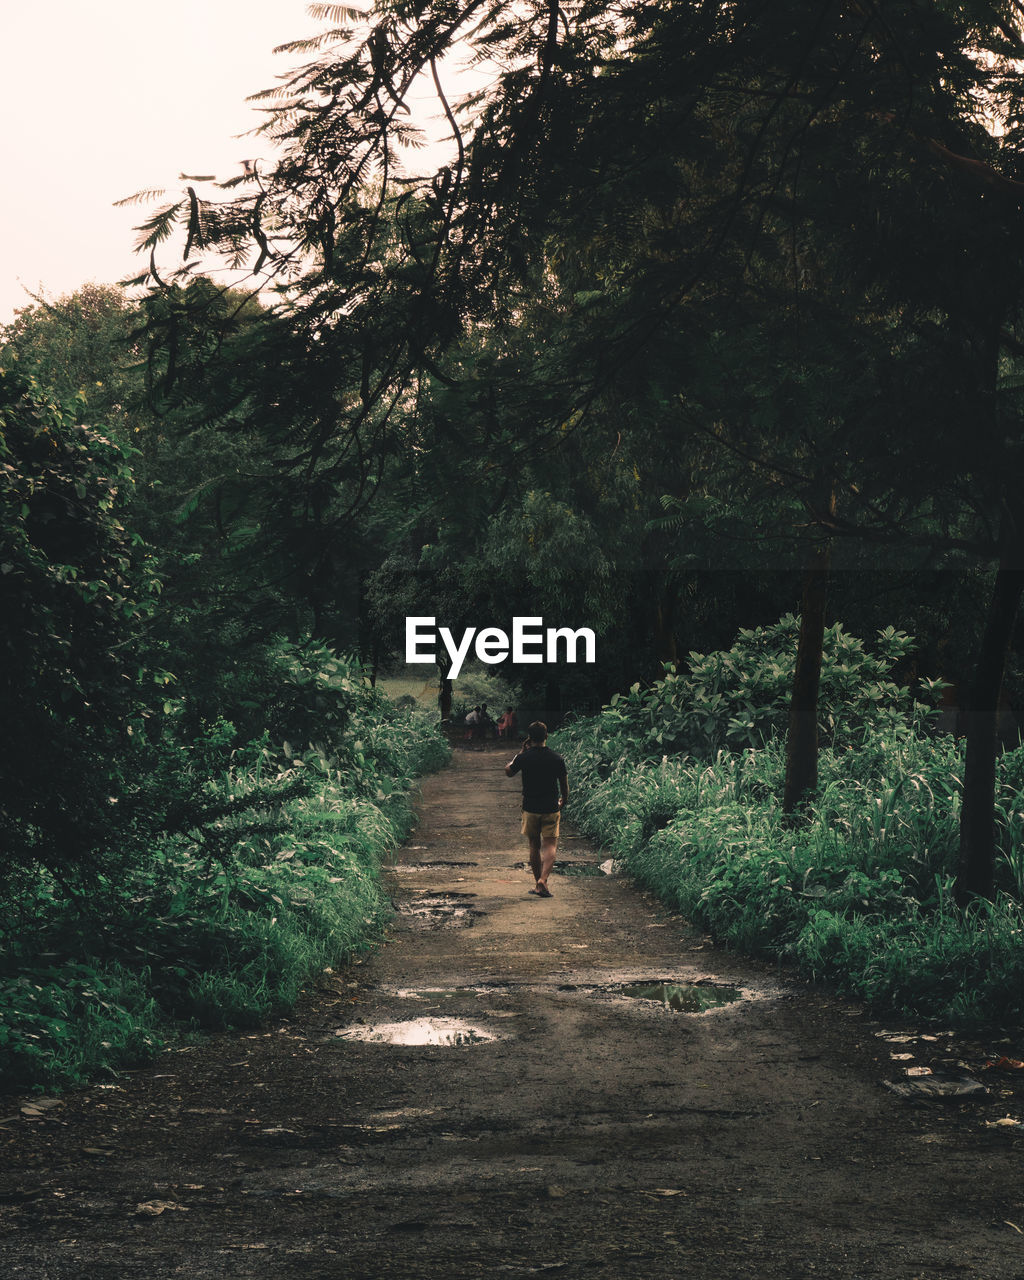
x=739, y=698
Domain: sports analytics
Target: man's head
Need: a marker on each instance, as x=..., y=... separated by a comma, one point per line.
x=538, y=733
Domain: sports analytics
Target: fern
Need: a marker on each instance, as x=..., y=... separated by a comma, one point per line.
x=278, y=92
x=159, y=227
x=314, y=44
x=335, y=13
x=141, y=197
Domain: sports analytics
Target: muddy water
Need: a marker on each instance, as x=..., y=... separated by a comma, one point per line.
x=684, y=997
x=448, y=1032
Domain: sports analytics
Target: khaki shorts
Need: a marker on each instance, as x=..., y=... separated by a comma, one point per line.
x=542, y=825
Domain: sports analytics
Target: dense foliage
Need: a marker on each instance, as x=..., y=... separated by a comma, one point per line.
x=194, y=809
x=75, y=589
x=220, y=922
x=740, y=697
x=861, y=892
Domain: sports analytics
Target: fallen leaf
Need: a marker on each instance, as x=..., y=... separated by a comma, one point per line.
x=153, y=1208
x=937, y=1088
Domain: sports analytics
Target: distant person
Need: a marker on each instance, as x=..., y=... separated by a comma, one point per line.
x=484, y=724
x=545, y=794
x=472, y=720
x=508, y=725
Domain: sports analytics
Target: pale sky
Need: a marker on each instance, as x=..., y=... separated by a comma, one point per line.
x=105, y=99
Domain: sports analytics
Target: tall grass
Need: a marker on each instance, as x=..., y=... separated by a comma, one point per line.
x=188, y=938
x=859, y=893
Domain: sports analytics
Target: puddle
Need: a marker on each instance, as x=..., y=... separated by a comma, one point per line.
x=449, y=993
x=610, y=867
x=440, y=911
x=684, y=997
x=444, y=1032
x=427, y=866
x=934, y=1085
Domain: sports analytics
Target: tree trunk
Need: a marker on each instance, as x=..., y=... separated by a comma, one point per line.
x=552, y=704
x=664, y=634
x=444, y=698
x=802, y=739
x=976, y=876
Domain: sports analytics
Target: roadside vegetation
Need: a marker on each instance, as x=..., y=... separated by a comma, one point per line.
x=222, y=922
x=682, y=782
x=195, y=796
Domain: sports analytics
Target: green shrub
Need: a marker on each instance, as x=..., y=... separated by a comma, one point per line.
x=65, y=1022
x=740, y=698
x=223, y=923
x=478, y=684
x=861, y=892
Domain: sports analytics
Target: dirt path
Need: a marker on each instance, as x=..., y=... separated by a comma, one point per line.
x=594, y=1135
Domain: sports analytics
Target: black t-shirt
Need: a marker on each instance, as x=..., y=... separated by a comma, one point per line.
x=541, y=769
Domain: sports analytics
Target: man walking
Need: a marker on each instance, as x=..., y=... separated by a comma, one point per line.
x=545, y=793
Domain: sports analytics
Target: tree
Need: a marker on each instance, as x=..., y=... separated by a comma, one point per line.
x=85, y=344
x=75, y=588
x=737, y=125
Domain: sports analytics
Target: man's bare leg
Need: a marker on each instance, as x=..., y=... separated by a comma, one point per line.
x=545, y=859
x=535, y=859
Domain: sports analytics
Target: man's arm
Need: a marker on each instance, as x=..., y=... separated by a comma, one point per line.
x=563, y=784
x=516, y=763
